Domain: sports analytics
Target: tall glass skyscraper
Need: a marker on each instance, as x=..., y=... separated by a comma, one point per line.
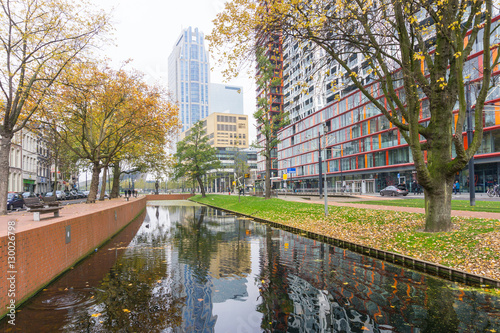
x=189, y=76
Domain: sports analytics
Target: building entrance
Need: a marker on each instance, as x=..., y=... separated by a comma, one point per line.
x=356, y=186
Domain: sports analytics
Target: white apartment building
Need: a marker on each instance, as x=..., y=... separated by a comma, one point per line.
x=15, y=165
x=29, y=146
x=302, y=79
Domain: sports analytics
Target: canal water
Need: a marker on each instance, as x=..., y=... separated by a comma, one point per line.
x=187, y=268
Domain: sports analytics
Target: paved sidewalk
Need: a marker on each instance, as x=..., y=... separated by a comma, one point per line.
x=24, y=219
x=340, y=201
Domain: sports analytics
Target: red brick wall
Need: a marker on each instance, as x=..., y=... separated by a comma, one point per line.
x=168, y=196
x=42, y=253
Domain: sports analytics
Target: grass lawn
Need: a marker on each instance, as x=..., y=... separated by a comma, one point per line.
x=481, y=206
x=473, y=245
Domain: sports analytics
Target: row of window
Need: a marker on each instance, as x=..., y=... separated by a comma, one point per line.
x=227, y=119
x=363, y=161
x=227, y=128
x=231, y=142
x=388, y=157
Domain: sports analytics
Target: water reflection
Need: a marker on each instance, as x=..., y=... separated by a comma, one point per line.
x=196, y=269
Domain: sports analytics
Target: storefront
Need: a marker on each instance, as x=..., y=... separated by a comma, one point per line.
x=29, y=185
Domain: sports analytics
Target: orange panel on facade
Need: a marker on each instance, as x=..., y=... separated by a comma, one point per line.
x=493, y=56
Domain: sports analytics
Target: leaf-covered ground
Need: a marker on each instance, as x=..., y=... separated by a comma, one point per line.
x=472, y=246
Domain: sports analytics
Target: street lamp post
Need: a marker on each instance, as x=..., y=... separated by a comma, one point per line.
x=325, y=129
x=470, y=134
x=320, y=173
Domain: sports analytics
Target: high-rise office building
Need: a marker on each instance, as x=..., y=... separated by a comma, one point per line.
x=226, y=98
x=189, y=76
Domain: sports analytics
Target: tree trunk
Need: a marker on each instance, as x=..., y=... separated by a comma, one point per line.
x=103, y=185
x=94, y=183
x=202, y=188
x=5, y=143
x=438, y=207
x=115, y=190
x=267, y=181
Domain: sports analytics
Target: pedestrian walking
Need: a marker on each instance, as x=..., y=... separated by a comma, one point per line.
x=414, y=187
x=456, y=187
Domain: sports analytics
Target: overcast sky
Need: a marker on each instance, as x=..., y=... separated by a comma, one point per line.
x=146, y=31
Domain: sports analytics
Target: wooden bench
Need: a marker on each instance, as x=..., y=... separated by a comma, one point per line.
x=34, y=205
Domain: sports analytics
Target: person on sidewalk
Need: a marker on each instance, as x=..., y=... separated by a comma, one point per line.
x=456, y=187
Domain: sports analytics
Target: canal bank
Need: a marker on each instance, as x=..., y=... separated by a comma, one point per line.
x=369, y=230
x=33, y=254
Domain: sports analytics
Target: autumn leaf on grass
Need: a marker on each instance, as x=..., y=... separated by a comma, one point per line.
x=126, y=310
x=96, y=314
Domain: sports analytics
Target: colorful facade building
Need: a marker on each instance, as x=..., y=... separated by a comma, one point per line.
x=364, y=152
x=273, y=46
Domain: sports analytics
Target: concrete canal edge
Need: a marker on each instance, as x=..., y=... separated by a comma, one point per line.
x=45, y=253
x=431, y=268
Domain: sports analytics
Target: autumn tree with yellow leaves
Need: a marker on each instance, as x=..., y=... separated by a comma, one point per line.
x=143, y=156
x=38, y=39
x=422, y=46
x=103, y=114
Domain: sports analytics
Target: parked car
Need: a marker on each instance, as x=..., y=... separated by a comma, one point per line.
x=76, y=194
x=394, y=191
x=59, y=195
x=29, y=195
x=14, y=200
x=69, y=195
x=82, y=194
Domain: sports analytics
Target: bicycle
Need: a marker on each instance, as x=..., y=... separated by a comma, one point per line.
x=492, y=191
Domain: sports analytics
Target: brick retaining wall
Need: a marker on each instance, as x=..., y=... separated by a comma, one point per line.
x=42, y=253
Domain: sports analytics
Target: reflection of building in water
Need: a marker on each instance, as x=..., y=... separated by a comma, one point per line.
x=231, y=259
x=216, y=276
x=348, y=290
x=317, y=311
x=197, y=314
